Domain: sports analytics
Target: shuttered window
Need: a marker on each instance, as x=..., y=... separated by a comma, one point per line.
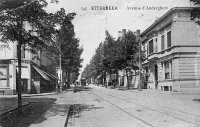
x=168, y=68
x=169, y=39
x=151, y=46
x=162, y=42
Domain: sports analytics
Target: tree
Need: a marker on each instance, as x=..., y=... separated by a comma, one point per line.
x=68, y=47
x=102, y=60
x=73, y=61
x=13, y=17
x=85, y=73
x=128, y=53
x=108, y=49
x=113, y=55
x=195, y=12
x=98, y=62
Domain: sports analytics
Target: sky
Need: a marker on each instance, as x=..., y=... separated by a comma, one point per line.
x=90, y=22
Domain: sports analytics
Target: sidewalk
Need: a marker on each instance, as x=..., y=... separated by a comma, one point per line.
x=43, y=110
x=55, y=116
x=148, y=91
x=26, y=95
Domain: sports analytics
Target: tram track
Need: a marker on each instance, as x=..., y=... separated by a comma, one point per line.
x=187, y=113
x=162, y=111
x=176, y=110
x=135, y=117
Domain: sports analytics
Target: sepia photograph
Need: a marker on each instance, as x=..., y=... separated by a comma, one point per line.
x=99, y=63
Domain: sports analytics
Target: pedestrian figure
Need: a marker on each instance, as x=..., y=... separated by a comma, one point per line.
x=75, y=88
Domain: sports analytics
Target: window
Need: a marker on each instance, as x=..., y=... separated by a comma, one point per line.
x=167, y=69
x=169, y=39
x=144, y=49
x=162, y=42
x=156, y=43
x=151, y=46
x=3, y=76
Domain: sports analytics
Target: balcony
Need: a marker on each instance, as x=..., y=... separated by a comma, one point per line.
x=152, y=57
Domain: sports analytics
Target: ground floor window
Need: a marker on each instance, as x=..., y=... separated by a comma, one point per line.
x=166, y=88
x=167, y=69
x=4, y=76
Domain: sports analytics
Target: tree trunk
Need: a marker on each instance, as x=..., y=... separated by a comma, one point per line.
x=127, y=79
x=19, y=77
x=117, y=76
x=68, y=78
x=64, y=80
x=104, y=76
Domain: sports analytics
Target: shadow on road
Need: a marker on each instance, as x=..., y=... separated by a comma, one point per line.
x=126, y=89
x=82, y=88
x=31, y=114
x=77, y=109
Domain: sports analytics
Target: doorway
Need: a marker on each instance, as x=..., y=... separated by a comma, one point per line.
x=24, y=85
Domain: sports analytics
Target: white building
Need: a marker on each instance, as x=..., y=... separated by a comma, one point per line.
x=34, y=79
x=171, y=44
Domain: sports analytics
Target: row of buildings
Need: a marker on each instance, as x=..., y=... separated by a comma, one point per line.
x=172, y=49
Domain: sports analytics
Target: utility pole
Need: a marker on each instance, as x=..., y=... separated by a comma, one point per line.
x=139, y=64
x=61, y=85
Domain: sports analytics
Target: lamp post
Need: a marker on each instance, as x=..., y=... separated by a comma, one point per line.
x=60, y=61
x=139, y=87
x=60, y=69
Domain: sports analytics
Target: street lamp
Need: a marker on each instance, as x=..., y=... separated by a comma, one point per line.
x=140, y=67
x=60, y=60
x=60, y=68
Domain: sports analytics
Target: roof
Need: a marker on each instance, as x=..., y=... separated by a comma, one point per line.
x=164, y=16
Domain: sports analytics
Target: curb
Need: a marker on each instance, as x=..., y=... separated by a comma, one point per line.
x=26, y=95
x=31, y=95
x=67, y=117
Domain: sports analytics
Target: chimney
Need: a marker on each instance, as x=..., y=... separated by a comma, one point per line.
x=123, y=32
x=119, y=34
x=137, y=32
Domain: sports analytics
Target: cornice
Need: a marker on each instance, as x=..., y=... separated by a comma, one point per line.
x=172, y=10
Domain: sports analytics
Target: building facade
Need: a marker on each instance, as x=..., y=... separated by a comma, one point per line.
x=34, y=78
x=171, y=45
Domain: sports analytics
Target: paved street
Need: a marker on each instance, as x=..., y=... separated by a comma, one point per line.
x=94, y=106
x=101, y=107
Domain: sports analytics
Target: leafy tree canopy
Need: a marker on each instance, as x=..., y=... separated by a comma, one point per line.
x=113, y=55
x=195, y=13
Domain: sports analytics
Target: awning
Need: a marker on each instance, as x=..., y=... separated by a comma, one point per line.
x=51, y=76
x=42, y=73
x=24, y=73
